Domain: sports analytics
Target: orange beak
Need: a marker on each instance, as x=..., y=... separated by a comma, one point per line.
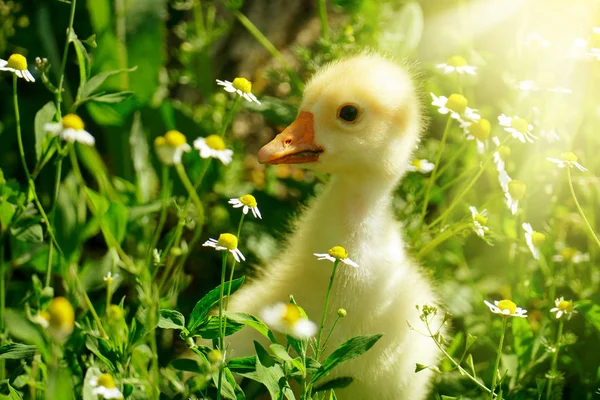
x=295, y=145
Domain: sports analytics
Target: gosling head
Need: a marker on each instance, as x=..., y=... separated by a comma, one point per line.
x=359, y=115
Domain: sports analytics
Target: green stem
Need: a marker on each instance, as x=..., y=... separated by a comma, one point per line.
x=587, y=223
x=435, y=168
x=166, y=193
x=63, y=64
x=2, y=303
x=330, y=332
x=192, y=193
x=459, y=153
x=154, y=348
x=51, y=213
x=221, y=331
x=322, y=6
x=443, y=236
x=229, y=116
x=555, y=357
x=326, y=306
x=233, y=264
x=90, y=306
x=498, y=356
x=199, y=19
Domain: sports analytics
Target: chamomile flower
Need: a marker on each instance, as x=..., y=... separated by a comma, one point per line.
x=456, y=105
x=213, y=147
x=567, y=160
x=519, y=128
x=17, y=64
x=515, y=191
x=337, y=253
x=478, y=131
x=109, y=278
x=170, y=148
x=500, y=155
x=226, y=242
x=570, y=255
x=506, y=308
x=534, y=240
x=288, y=319
x=62, y=318
x=457, y=64
x=248, y=202
x=105, y=386
x=563, y=307
x=423, y=166
x=70, y=129
x=241, y=86
x=479, y=221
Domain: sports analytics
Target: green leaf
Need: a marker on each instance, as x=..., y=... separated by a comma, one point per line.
x=147, y=181
x=590, y=311
x=280, y=352
x=263, y=356
x=211, y=299
x=97, y=80
x=17, y=351
x=268, y=376
x=7, y=211
x=253, y=322
x=42, y=117
x=227, y=389
x=28, y=231
x=242, y=364
x=336, y=383
x=171, y=319
x=100, y=204
x=523, y=340
x=111, y=98
x=210, y=330
x=82, y=57
x=348, y=350
x=14, y=395
x=190, y=365
x=116, y=220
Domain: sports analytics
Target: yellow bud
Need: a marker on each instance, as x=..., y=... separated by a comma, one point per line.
x=72, y=121
x=516, y=189
x=507, y=305
x=481, y=129
x=248, y=200
x=520, y=124
x=338, y=252
x=175, y=138
x=569, y=156
x=538, y=239
x=457, y=103
x=228, y=241
x=456, y=61
x=242, y=84
x=342, y=313
x=215, y=142
x=17, y=62
x=62, y=318
x=416, y=163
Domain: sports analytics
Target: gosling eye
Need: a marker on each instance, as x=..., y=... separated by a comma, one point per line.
x=348, y=113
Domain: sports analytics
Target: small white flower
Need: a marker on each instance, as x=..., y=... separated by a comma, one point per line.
x=534, y=240
x=226, y=242
x=248, y=202
x=534, y=39
x=478, y=131
x=42, y=319
x=550, y=135
x=563, y=307
x=514, y=191
x=109, y=278
x=568, y=159
x=105, y=386
x=287, y=318
x=500, y=155
x=457, y=64
x=170, y=148
x=337, y=253
x=569, y=255
x=423, y=166
x=70, y=129
x=518, y=127
x=456, y=105
x=241, y=86
x=479, y=221
x=17, y=64
x=506, y=308
x=213, y=146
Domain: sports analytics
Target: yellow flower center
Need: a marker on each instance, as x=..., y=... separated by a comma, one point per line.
x=248, y=200
x=62, y=315
x=175, y=138
x=507, y=305
x=17, y=62
x=565, y=306
x=520, y=124
x=160, y=141
x=292, y=314
x=569, y=156
x=481, y=219
x=456, y=61
x=72, y=121
x=481, y=129
x=107, y=381
x=457, y=103
x=504, y=152
x=516, y=189
x=416, y=163
x=568, y=253
x=215, y=142
x=338, y=252
x=538, y=239
x=228, y=240
x=242, y=84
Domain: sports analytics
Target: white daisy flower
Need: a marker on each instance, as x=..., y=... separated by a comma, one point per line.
x=478, y=131
x=213, y=146
x=479, y=221
x=287, y=318
x=70, y=129
x=337, y=253
x=423, y=166
x=518, y=127
x=568, y=159
x=534, y=39
x=241, y=86
x=457, y=64
x=17, y=64
x=570, y=255
x=515, y=191
x=226, y=242
x=248, y=202
x=456, y=105
x=105, y=386
x=109, y=278
x=506, y=308
x=500, y=155
x=534, y=240
x=563, y=307
x=170, y=148
x=550, y=135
